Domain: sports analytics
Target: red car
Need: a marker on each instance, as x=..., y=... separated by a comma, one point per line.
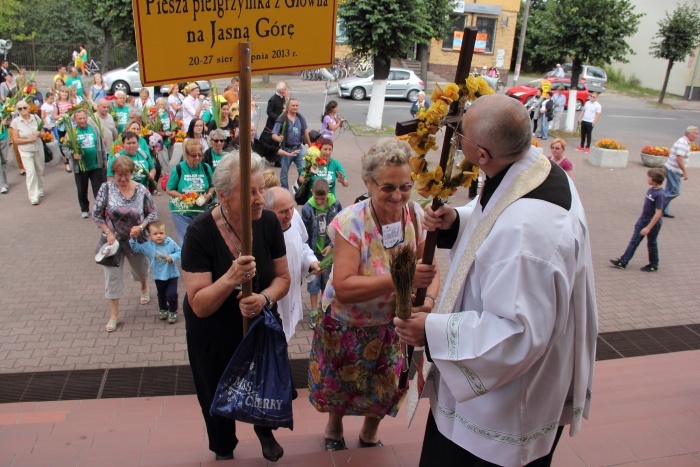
x=526, y=92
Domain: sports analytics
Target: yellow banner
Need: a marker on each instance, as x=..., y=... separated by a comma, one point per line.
x=185, y=40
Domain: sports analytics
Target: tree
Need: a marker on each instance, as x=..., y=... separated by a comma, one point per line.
x=434, y=25
x=115, y=18
x=12, y=15
x=587, y=31
x=387, y=29
x=679, y=35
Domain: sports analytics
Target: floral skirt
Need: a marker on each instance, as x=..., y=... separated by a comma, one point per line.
x=355, y=370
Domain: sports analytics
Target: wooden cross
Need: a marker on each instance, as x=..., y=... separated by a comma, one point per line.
x=455, y=114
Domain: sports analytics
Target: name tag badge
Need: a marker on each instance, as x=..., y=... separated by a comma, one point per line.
x=391, y=234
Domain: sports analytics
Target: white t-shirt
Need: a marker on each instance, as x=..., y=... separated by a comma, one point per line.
x=49, y=110
x=680, y=148
x=590, y=110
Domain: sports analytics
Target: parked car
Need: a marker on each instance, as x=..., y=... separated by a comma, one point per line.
x=526, y=92
x=128, y=80
x=593, y=77
x=402, y=83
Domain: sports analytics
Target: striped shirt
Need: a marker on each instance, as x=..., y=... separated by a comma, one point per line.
x=681, y=148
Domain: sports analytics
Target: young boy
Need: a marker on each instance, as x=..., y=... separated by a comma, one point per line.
x=163, y=252
x=317, y=214
x=648, y=224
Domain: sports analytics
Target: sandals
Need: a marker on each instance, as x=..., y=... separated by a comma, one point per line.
x=112, y=325
x=365, y=444
x=145, y=297
x=335, y=444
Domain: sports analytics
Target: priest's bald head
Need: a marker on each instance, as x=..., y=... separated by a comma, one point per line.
x=496, y=132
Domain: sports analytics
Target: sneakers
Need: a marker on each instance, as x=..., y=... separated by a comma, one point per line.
x=41, y=194
x=84, y=215
x=172, y=317
x=618, y=264
x=3, y=189
x=34, y=202
x=670, y=216
x=649, y=268
x=163, y=315
x=587, y=150
x=580, y=148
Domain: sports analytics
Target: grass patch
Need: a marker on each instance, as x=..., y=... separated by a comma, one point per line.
x=563, y=134
x=363, y=130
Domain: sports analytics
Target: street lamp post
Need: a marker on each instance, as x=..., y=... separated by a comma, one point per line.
x=521, y=44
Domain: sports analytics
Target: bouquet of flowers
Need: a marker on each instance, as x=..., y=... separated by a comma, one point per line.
x=70, y=141
x=187, y=201
x=312, y=160
x=47, y=136
x=155, y=142
x=117, y=146
x=179, y=136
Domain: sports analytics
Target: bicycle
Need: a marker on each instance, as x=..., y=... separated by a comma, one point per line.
x=93, y=67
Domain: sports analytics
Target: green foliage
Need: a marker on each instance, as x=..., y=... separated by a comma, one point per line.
x=12, y=16
x=678, y=35
x=588, y=31
x=113, y=17
x=47, y=18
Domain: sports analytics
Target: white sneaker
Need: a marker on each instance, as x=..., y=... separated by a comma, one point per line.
x=84, y=215
x=34, y=201
x=41, y=194
x=3, y=189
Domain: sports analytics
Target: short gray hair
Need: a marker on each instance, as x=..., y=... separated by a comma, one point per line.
x=227, y=174
x=281, y=85
x=120, y=94
x=161, y=100
x=218, y=132
x=386, y=152
x=691, y=129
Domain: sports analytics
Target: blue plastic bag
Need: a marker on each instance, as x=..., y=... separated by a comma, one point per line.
x=256, y=386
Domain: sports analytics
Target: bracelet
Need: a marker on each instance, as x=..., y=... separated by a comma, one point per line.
x=141, y=226
x=431, y=297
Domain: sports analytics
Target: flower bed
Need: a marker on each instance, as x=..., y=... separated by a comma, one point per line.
x=609, y=153
x=654, y=156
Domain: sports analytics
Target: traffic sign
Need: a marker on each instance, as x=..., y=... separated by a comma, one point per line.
x=186, y=40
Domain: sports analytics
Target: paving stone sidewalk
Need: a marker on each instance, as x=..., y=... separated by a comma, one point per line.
x=53, y=310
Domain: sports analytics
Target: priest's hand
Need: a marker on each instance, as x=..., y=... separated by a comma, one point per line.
x=425, y=273
x=314, y=269
x=442, y=219
x=412, y=330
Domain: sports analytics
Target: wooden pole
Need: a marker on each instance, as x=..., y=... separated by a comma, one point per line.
x=245, y=155
x=463, y=66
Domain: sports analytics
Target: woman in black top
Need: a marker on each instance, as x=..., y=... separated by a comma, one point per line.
x=229, y=123
x=213, y=267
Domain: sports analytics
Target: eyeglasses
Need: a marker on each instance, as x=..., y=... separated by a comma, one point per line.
x=389, y=188
x=461, y=135
x=217, y=140
x=200, y=155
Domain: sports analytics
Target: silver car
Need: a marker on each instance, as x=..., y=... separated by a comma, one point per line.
x=593, y=77
x=401, y=83
x=128, y=80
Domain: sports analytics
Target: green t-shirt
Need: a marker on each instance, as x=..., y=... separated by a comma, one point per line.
x=329, y=173
x=122, y=114
x=143, y=145
x=77, y=83
x=215, y=159
x=141, y=161
x=191, y=180
x=165, y=122
x=88, y=143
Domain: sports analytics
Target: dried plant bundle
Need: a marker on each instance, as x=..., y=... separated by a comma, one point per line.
x=403, y=268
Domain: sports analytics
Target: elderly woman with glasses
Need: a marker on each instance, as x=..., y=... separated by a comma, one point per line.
x=191, y=187
x=217, y=141
x=213, y=269
x=26, y=136
x=355, y=358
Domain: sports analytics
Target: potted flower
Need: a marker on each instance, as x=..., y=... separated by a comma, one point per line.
x=654, y=156
x=609, y=153
x=694, y=155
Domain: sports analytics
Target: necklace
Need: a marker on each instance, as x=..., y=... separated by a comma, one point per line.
x=229, y=228
x=382, y=227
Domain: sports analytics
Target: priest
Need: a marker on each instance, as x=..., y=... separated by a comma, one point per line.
x=512, y=342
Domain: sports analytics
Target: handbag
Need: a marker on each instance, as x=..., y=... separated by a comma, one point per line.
x=302, y=192
x=256, y=386
x=113, y=260
x=48, y=153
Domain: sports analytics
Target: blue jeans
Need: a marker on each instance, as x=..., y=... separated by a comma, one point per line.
x=637, y=239
x=673, y=187
x=181, y=223
x=544, y=126
x=286, y=162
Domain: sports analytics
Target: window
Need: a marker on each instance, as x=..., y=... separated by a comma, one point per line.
x=401, y=75
x=456, y=23
x=487, y=34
